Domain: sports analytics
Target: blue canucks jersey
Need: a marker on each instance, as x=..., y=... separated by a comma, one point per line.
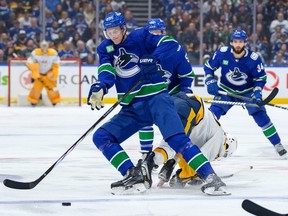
x=119, y=64
x=178, y=72
x=238, y=76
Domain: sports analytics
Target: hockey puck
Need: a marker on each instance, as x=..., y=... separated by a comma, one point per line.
x=66, y=204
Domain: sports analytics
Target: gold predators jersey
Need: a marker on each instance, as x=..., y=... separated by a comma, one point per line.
x=45, y=60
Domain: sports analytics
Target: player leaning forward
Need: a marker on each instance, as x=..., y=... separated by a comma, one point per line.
x=123, y=61
x=44, y=65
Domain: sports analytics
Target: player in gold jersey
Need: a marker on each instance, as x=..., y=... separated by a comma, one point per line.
x=44, y=65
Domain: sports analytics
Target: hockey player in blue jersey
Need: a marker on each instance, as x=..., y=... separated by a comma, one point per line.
x=242, y=72
x=123, y=61
x=181, y=78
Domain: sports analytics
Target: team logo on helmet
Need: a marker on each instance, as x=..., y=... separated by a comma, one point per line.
x=236, y=77
x=114, y=19
x=156, y=24
x=126, y=64
x=239, y=35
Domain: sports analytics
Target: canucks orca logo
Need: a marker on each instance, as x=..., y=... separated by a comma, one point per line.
x=164, y=73
x=126, y=64
x=236, y=77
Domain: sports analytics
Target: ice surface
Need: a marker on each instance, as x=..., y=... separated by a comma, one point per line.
x=32, y=139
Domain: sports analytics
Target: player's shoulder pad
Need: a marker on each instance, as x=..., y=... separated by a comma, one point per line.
x=224, y=49
x=51, y=52
x=37, y=51
x=138, y=34
x=254, y=56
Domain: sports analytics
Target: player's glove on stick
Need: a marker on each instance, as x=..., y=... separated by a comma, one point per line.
x=257, y=95
x=96, y=93
x=148, y=66
x=212, y=86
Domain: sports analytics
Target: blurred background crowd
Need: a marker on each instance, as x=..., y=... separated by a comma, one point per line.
x=70, y=26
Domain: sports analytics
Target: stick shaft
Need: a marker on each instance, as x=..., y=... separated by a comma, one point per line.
x=29, y=185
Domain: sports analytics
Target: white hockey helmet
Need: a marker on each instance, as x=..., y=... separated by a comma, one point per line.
x=230, y=145
x=44, y=45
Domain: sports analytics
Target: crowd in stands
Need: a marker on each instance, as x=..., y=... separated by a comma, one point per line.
x=71, y=26
x=221, y=18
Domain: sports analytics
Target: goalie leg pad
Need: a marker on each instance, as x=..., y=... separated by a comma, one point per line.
x=35, y=92
x=47, y=82
x=54, y=96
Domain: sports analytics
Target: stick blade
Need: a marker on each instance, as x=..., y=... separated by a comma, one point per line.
x=270, y=97
x=256, y=209
x=19, y=185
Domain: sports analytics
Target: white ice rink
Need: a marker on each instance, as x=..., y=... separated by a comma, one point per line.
x=32, y=139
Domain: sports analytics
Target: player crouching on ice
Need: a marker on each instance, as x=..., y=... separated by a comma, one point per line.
x=123, y=61
x=204, y=130
x=44, y=64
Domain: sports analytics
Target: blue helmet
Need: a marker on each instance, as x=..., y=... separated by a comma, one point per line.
x=114, y=19
x=155, y=24
x=239, y=35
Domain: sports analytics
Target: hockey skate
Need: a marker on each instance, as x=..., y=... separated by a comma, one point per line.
x=147, y=167
x=133, y=183
x=214, y=186
x=281, y=151
x=177, y=182
x=166, y=172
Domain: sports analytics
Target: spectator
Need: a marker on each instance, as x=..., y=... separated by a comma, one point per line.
x=207, y=5
x=189, y=5
x=280, y=21
x=91, y=44
x=172, y=6
x=35, y=9
x=64, y=19
x=89, y=32
x=89, y=13
x=276, y=35
x=76, y=37
x=2, y=56
x=83, y=51
x=21, y=41
x=131, y=22
x=51, y=4
x=33, y=28
x=9, y=51
x=80, y=23
x=3, y=28
x=13, y=32
x=75, y=10
x=49, y=18
x=52, y=33
x=67, y=51
x=26, y=52
x=69, y=30
x=4, y=10
x=90, y=59
x=278, y=60
x=25, y=20
x=118, y=5
x=4, y=38
x=58, y=11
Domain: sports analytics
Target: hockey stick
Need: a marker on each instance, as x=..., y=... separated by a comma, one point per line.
x=237, y=172
x=266, y=101
x=29, y=185
x=256, y=209
x=231, y=103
